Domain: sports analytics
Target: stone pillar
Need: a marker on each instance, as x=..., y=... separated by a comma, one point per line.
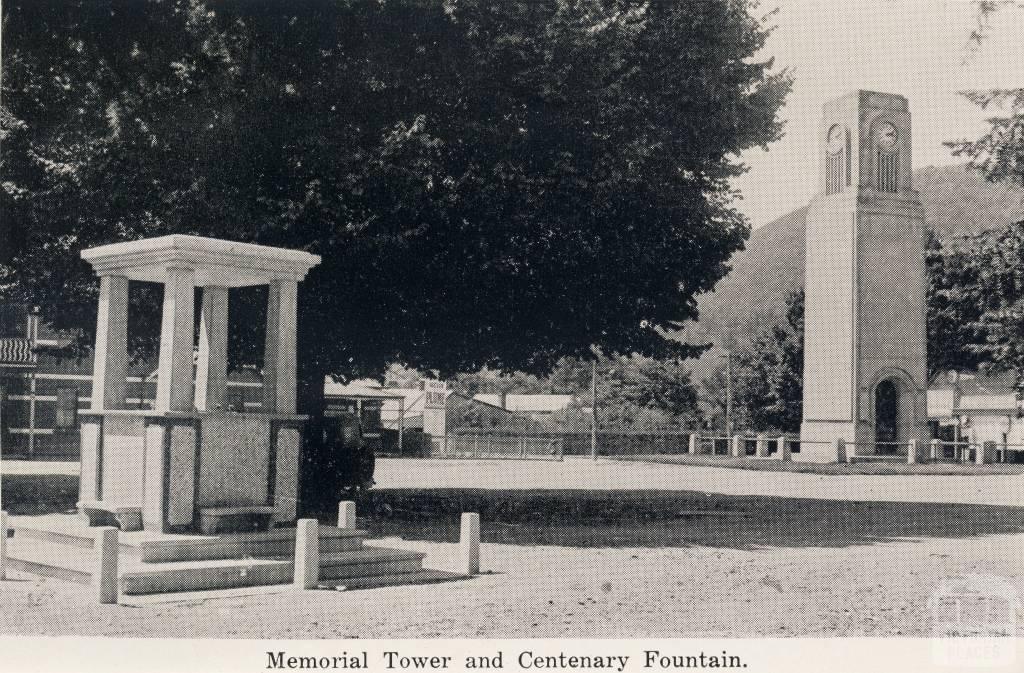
x=985, y=453
x=694, y=443
x=110, y=357
x=912, y=451
x=174, y=378
x=839, y=450
x=212, y=365
x=469, y=544
x=935, y=448
x=104, y=570
x=762, y=447
x=785, y=448
x=738, y=446
x=347, y=514
x=307, y=554
x=279, y=354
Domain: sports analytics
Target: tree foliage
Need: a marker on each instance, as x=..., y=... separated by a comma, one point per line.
x=489, y=183
x=768, y=373
x=976, y=302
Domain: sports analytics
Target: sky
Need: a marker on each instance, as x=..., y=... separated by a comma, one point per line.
x=917, y=48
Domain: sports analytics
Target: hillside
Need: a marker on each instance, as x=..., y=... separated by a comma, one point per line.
x=955, y=201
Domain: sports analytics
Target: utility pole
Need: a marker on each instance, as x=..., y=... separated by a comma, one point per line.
x=728, y=394
x=593, y=409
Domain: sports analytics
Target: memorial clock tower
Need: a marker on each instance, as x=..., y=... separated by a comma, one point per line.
x=865, y=377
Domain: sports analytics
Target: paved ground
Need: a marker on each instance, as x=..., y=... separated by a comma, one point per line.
x=880, y=589
x=736, y=562
x=583, y=473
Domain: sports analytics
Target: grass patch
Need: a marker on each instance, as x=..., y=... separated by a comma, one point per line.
x=772, y=465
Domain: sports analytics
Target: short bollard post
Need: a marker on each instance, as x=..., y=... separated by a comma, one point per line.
x=985, y=452
x=933, y=452
x=762, y=447
x=307, y=554
x=104, y=571
x=911, y=451
x=346, y=514
x=3, y=545
x=469, y=544
x=785, y=448
x=738, y=446
x=839, y=448
x=692, y=448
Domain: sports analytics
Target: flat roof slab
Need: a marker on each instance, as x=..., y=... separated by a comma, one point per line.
x=216, y=262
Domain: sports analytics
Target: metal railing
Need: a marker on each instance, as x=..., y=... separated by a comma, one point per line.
x=498, y=445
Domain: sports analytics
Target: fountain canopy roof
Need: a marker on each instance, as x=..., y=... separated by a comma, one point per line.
x=216, y=262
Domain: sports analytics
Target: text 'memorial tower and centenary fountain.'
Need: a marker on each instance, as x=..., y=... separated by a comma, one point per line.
x=865, y=378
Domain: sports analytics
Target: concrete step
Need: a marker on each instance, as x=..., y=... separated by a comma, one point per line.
x=369, y=562
x=174, y=576
x=79, y=538
x=154, y=578
x=279, y=543
x=423, y=576
x=50, y=559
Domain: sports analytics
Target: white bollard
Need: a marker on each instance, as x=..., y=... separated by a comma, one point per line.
x=3, y=545
x=346, y=514
x=469, y=544
x=104, y=570
x=839, y=449
x=912, y=451
x=307, y=553
x=739, y=446
x=694, y=443
x=785, y=448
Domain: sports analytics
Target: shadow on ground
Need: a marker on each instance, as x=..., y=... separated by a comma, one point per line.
x=599, y=518
x=671, y=518
x=39, y=493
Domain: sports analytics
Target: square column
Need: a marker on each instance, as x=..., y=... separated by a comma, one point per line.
x=110, y=356
x=212, y=365
x=174, y=378
x=279, y=355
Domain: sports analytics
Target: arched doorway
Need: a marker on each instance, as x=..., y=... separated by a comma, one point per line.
x=887, y=416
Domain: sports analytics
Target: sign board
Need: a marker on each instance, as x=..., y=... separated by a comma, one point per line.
x=434, y=393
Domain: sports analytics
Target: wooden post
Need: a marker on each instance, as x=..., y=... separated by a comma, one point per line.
x=738, y=446
x=346, y=514
x=104, y=570
x=3, y=545
x=694, y=443
x=785, y=448
x=307, y=554
x=912, y=451
x=762, y=446
x=469, y=544
x=934, y=449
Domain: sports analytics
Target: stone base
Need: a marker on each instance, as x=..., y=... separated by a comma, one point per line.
x=244, y=519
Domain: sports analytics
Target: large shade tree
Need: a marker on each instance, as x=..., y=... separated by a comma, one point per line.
x=490, y=183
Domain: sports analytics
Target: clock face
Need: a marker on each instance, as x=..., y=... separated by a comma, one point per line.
x=887, y=136
x=835, y=139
